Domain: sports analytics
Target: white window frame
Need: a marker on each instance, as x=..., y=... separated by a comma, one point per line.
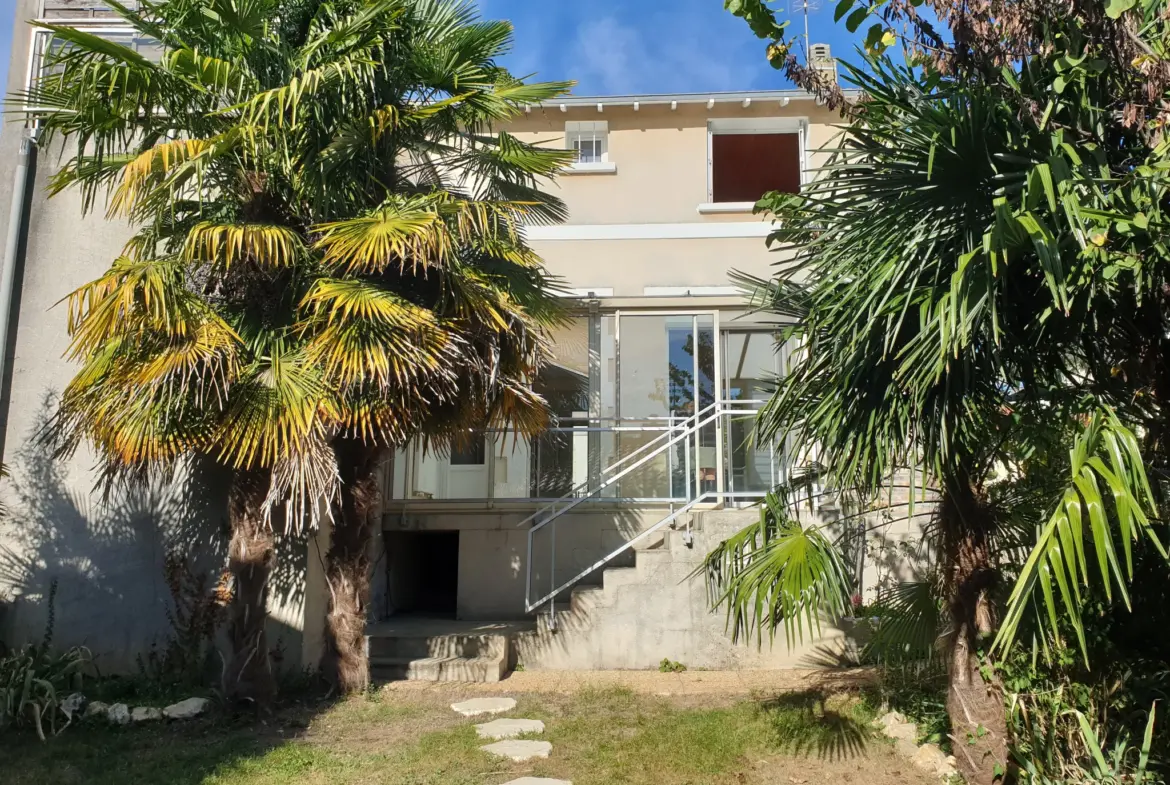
x=98, y=27
x=750, y=125
x=597, y=130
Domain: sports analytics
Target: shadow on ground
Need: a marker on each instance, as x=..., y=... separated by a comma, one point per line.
x=817, y=723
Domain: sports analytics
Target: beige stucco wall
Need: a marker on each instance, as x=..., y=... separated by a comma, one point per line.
x=661, y=157
x=628, y=266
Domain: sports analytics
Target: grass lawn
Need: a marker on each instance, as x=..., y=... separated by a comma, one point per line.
x=599, y=737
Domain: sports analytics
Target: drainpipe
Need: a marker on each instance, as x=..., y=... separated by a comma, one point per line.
x=17, y=226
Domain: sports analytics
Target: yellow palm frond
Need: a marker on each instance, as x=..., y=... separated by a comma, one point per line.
x=356, y=354
x=273, y=408
x=165, y=167
x=270, y=245
x=135, y=295
x=424, y=230
x=342, y=299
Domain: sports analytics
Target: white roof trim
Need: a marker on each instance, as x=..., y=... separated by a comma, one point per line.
x=685, y=231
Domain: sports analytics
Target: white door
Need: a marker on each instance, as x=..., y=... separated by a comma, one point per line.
x=467, y=472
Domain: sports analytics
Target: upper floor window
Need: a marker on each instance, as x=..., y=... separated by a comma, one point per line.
x=589, y=140
x=81, y=9
x=46, y=48
x=750, y=157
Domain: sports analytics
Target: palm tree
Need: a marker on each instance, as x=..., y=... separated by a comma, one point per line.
x=327, y=262
x=967, y=274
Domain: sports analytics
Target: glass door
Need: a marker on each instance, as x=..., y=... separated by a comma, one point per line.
x=751, y=364
x=665, y=374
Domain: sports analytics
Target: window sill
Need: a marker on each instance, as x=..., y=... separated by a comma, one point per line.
x=714, y=208
x=602, y=167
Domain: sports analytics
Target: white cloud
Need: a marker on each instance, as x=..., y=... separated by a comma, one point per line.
x=676, y=52
x=639, y=46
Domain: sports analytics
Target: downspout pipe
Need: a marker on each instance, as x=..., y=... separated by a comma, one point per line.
x=17, y=227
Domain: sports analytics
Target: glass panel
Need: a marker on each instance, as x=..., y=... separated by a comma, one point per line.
x=751, y=362
x=511, y=466
x=564, y=381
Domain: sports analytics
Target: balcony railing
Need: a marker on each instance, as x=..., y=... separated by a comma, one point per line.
x=578, y=458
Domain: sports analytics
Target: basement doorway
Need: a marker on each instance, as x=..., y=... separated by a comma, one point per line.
x=423, y=572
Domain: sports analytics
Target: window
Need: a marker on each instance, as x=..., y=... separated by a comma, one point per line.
x=473, y=453
x=750, y=158
x=45, y=48
x=82, y=9
x=589, y=140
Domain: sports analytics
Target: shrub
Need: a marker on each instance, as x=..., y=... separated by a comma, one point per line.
x=34, y=681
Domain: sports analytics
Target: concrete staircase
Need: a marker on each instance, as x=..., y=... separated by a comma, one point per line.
x=441, y=650
x=656, y=609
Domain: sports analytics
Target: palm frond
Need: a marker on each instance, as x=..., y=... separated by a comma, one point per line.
x=1105, y=509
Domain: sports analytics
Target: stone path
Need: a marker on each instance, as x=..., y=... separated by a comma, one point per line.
x=508, y=729
x=477, y=706
x=519, y=749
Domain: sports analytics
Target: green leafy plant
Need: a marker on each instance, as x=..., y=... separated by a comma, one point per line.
x=670, y=666
x=34, y=680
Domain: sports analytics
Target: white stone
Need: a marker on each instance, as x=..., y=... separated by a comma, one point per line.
x=72, y=705
x=95, y=709
x=537, y=781
x=508, y=729
x=519, y=750
x=477, y=706
x=930, y=758
x=890, y=718
x=185, y=710
x=907, y=731
x=146, y=714
x=905, y=748
x=118, y=714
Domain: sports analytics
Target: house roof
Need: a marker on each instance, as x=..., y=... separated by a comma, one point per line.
x=745, y=98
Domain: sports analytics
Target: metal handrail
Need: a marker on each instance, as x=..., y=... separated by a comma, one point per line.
x=687, y=433
x=575, y=492
x=702, y=498
x=574, y=500
x=584, y=486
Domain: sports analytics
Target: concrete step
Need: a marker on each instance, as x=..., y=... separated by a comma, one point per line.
x=422, y=646
x=465, y=669
x=619, y=576
x=584, y=600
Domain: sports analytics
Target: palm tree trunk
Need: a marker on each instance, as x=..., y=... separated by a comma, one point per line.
x=251, y=556
x=975, y=703
x=347, y=568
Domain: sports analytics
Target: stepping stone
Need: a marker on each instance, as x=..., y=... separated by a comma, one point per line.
x=518, y=750
x=508, y=729
x=537, y=781
x=477, y=706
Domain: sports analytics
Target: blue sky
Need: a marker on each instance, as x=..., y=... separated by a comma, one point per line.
x=625, y=46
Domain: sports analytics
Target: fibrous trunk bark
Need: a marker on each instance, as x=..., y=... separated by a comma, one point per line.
x=251, y=556
x=975, y=701
x=347, y=568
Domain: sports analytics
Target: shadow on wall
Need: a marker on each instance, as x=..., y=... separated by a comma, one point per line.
x=107, y=553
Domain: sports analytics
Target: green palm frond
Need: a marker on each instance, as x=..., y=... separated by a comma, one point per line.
x=777, y=574
x=1105, y=509
x=910, y=623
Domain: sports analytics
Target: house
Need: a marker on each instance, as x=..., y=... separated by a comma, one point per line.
x=576, y=549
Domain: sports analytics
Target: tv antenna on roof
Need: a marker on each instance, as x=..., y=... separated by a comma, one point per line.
x=807, y=7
